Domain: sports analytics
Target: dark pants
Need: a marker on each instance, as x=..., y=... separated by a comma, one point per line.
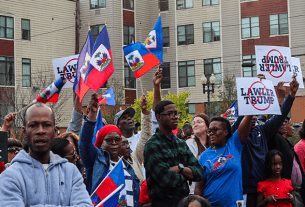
x=251, y=199
x=165, y=202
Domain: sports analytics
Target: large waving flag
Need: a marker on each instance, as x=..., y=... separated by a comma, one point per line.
x=82, y=66
x=98, y=125
x=101, y=64
x=107, y=98
x=232, y=110
x=51, y=93
x=111, y=182
x=154, y=41
x=140, y=59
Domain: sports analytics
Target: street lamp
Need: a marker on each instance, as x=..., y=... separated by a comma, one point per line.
x=207, y=82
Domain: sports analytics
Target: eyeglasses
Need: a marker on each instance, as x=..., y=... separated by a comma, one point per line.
x=172, y=114
x=125, y=143
x=214, y=130
x=73, y=155
x=197, y=122
x=14, y=149
x=116, y=140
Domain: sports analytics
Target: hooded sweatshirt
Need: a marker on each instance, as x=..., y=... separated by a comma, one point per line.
x=27, y=183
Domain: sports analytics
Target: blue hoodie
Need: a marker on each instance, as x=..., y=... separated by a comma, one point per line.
x=27, y=183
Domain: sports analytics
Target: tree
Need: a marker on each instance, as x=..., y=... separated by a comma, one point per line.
x=226, y=96
x=179, y=100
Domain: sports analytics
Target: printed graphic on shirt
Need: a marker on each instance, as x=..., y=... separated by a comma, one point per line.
x=219, y=162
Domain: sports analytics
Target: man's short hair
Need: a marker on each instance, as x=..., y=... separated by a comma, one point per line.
x=160, y=106
x=187, y=126
x=187, y=200
x=38, y=104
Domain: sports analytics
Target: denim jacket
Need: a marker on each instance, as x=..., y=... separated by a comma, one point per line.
x=97, y=161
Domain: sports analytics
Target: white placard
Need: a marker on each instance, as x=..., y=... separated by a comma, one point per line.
x=297, y=70
x=70, y=65
x=256, y=97
x=274, y=62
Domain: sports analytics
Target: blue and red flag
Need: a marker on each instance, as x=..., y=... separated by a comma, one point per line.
x=99, y=124
x=154, y=41
x=101, y=63
x=232, y=110
x=140, y=59
x=82, y=66
x=51, y=93
x=107, y=98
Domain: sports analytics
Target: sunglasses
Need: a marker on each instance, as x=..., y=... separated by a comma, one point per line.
x=14, y=149
x=214, y=130
x=73, y=155
x=116, y=140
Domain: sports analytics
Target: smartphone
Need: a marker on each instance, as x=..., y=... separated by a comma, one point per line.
x=282, y=199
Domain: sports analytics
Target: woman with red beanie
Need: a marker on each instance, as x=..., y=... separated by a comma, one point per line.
x=100, y=158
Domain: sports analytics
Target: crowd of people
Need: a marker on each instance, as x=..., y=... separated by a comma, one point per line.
x=211, y=162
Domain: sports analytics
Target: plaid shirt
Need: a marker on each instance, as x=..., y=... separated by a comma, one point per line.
x=160, y=154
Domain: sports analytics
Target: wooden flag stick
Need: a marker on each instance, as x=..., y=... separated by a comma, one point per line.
x=89, y=25
x=25, y=107
x=106, y=22
x=110, y=195
x=141, y=85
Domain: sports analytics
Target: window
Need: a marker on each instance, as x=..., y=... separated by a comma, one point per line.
x=249, y=71
x=95, y=4
x=209, y=2
x=278, y=24
x=184, y=4
x=166, y=80
x=211, y=32
x=165, y=31
x=250, y=27
x=186, y=70
x=26, y=72
x=96, y=29
x=7, y=72
x=163, y=5
x=130, y=79
x=186, y=34
x=5, y=109
x=192, y=109
x=128, y=33
x=213, y=66
x=128, y=4
x=25, y=29
x=6, y=27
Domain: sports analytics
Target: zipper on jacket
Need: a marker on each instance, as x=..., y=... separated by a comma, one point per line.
x=46, y=173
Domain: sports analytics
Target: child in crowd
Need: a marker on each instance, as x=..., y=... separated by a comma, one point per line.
x=274, y=191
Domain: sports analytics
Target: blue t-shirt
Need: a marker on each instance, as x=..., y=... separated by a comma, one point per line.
x=223, y=174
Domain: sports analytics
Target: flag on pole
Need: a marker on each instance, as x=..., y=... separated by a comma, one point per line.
x=101, y=64
x=154, y=41
x=232, y=110
x=99, y=124
x=140, y=59
x=51, y=93
x=107, y=98
x=82, y=66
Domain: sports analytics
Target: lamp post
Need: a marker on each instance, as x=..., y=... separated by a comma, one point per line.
x=208, y=82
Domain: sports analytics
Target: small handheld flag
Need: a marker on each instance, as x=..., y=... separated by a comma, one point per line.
x=140, y=59
x=51, y=93
x=99, y=124
x=232, y=110
x=101, y=63
x=107, y=98
x=154, y=41
x=82, y=66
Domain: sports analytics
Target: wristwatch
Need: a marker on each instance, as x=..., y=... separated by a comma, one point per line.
x=181, y=167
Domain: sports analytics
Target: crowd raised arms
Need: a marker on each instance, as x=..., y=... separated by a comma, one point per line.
x=212, y=162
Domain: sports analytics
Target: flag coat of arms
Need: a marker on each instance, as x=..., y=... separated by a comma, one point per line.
x=232, y=110
x=107, y=98
x=154, y=41
x=140, y=59
x=51, y=93
x=101, y=64
x=82, y=66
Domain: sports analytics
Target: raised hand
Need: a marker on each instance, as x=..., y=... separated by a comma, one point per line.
x=261, y=76
x=158, y=76
x=143, y=104
x=280, y=92
x=93, y=106
x=8, y=121
x=294, y=86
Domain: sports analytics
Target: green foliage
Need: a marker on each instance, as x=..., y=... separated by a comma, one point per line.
x=226, y=97
x=179, y=100
x=295, y=138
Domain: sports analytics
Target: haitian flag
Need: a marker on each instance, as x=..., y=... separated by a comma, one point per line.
x=82, y=66
x=140, y=59
x=232, y=110
x=101, y=65
x=107, y=98
x=98, y=125
x=154, y=41
x=51, y=93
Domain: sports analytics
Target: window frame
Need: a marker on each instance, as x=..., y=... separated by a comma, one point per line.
x=251, y=28
x=253, y=68
x=212, y=38
x=166, y=80
x=98, y=3
x=184, y=5
x=279, y=28
x=188, y=110
x=187, y=65
x=185, y=35
x=166, y=44
x=130, y=78
x=6, y=27
x=29, y=31
x=211, y=4
x=99, y=29
x=166, y=7
x=9, y=65
x=129, y=35
x=26, y=75
x=218, y=82
x=132, y=9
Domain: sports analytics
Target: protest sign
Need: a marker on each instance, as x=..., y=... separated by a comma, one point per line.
x=296, y=69
x=274, y=62
x=256, y=97
x=65, y=67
